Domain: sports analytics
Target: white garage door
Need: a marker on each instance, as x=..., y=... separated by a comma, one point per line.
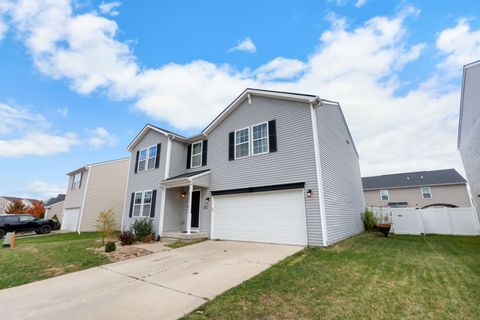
x=274, y=217
x=70, y=219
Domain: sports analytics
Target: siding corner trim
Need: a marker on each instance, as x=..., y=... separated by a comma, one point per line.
x=318, y=164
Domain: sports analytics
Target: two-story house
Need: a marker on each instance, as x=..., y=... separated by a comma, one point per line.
x=422, y=189
x=273, y=167
x=469, y=128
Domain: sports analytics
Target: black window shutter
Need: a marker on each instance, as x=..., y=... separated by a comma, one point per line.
x=154, y=200
x=189, y=155
x=231, y=146
x=272, y=135
x=157, y=159
x=131, y=204
x=204, y=152
x=136, y=162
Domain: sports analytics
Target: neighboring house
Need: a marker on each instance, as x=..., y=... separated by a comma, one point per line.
x=422, y=189
x=54, y=207
x=6, y=201
x=469, y=128
x=273, y=167
x=92, y=189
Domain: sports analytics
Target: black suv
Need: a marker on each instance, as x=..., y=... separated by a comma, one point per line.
x=25, y=223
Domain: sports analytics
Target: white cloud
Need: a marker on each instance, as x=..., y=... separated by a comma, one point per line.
x=357, y=66
x=245, y=45
x=63, y=112
x=109, y=8
x=360, y=3
x=45, y=190
x=460, y=44
x=100, y=137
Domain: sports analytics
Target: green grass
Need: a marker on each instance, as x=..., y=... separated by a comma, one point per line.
x=365, y=277
x=180, y=244
x=40, y=257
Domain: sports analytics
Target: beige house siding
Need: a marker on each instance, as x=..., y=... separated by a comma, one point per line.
x=106, y=190
x=448, y=194
x=55, y=209
x=74, y=198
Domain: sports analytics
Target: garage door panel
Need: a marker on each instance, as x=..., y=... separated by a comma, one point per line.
x=70, y=219
x=276, y=217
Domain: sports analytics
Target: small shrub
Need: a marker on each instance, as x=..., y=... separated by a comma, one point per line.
x=126, y=237
x=106, y=224
x=369, y=220
x=142, y=228
x=110, y=246
x=55, y=218
x=148, y=238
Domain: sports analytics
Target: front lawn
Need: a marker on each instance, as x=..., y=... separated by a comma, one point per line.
x=365, y=277
x=39, y=257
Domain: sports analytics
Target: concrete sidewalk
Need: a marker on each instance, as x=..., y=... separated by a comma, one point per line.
x=163, y=285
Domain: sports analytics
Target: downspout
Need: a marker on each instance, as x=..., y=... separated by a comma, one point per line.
x=82, y=209
x=318, y=165
x=164, y=190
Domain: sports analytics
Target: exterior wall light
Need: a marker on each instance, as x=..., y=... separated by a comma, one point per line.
x=207, y=200
x=309, y=193
x=184, y=194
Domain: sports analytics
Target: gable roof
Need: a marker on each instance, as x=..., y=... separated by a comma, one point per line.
x=413, y=179
x=59, y=198
x=246, y=94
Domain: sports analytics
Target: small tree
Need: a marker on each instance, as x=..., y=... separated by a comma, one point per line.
x=106, y=223
x=37, y=209
x=16, y=207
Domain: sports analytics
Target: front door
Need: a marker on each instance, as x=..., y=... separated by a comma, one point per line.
x=195, y=209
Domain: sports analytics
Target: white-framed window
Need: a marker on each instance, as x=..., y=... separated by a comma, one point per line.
x=197, y=149
x=260, y=138
x=426, y=192
x=142, y=203
x=242, y=143
x=384, y=195
x=77, y=180
x=147, y=158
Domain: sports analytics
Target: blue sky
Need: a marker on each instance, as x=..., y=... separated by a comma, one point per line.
x=78, y=79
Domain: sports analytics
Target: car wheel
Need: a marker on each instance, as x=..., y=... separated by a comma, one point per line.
x=2, y=234
x=44, y=229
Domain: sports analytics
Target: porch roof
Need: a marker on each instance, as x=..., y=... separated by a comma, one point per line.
x=187, y=179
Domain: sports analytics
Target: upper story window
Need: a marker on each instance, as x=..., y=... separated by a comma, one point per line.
x=384, y=195
x=142, y=203
x=242, y=143
x=260, y=138
x=197, y=149
x=77, y=181
x=426, y=192
x=147, y=158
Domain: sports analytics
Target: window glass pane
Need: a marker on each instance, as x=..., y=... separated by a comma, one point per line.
x=259, y=131
x=260, y=146
x=141, y=165
x=147, y=197
x=241, y=150
x=143, y=154
x=26, y=218
x=146, y=210
x=151, y=163
x=152, y=152
x=138, y=198
x=197, y=148
x=197, y=160
x=241, y=136
x=136, y=210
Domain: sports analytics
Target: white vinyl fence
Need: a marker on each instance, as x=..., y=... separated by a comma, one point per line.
x=454, y=221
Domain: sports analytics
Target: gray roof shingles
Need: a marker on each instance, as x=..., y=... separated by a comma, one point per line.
x=60, y=197
x=412, y=179
x=187, y=175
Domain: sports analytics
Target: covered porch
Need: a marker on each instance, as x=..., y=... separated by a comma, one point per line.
x=187, y=206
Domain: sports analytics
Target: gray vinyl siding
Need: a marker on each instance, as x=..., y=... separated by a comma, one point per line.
x=74, y=198
x=342, y=184
x=293, y=162
x=470, y=131
x=175, y=208
x=146, y=180
x=178, y=158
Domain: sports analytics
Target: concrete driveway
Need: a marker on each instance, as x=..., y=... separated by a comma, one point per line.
x=163, y=285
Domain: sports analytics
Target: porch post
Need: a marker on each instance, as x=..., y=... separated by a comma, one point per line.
x=189, y=216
